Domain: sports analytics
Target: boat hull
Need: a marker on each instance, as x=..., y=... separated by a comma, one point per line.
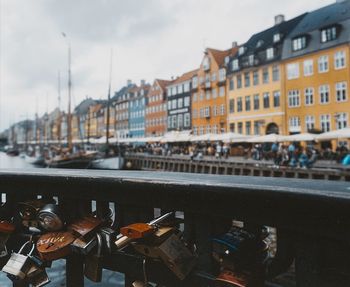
x=108, y=163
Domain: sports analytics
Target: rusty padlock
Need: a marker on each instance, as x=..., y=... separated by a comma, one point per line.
x=93, y=261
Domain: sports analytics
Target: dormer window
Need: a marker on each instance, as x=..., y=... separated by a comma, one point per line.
x=270, y=53
x=227, y=60
x=299, y=43
x=260, y=43
x=276, y=37
x=251, y=60
x=206, y=64
x=235, y=65
x=241, y=51
x=329, y=34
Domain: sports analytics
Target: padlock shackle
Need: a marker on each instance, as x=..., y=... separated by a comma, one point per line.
x=99, y=244
x=24, y=245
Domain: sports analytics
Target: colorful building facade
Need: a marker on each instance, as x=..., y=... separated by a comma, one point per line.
x=156, y=109
x=316, y=58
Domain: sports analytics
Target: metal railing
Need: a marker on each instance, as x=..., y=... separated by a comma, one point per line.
x=312, y=217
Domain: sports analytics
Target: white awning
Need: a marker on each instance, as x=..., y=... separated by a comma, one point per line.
x=304, y=137
x=266, y=139
x=337, y=134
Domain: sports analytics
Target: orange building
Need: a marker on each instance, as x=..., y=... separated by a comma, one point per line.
x=316, y=60
x=209, y=113
x=156, y=109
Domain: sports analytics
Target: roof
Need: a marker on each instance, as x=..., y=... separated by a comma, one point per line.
x=84, y=105
x=184, y=77
x=219, y=56
x=163, y=83
x=266, y=37
x=325, y=16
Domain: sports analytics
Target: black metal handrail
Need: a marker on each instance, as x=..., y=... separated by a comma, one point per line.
x=306, y=209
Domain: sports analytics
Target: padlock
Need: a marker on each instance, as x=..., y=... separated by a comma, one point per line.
x=85, y=226
x=228, y=278
x=93, y=267
x=40, y=279
x=6, y=229
x=19, y=264
x=137, y=230
x=108, y=236
x=28, y=210
x=83, y=246
x=51, y=218
x=54, y=245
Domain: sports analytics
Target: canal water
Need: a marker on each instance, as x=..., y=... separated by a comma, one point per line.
x=57, y=272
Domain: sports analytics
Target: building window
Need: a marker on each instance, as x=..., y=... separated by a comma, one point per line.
x=294, y=124
x=222, y=75
x=251, y=60
x=239, y=81
x=324, y=94
x=235, y=65
x=266, y=100
x=214, y=93
x=195, y=131
x=299, y=43
x=269, y=53
x=276, y=99
x=325, y=123
x=308, y=68
x=309, y=123
x=339, y=60
x=239, y=104
x=232, y=127
x=248, y=128
x=232, y=106
x=276, y=37
x=247, y=79
x=293, y=98
x=256, y=78
x=187, y=101
x=180, y=123
x=265, y=75
x=293, y=71
x=195, y=113
x=173, y=104
x=187, y=120
x=201, y=96
x=323, y=64
x=341, y=91
x=232, y=84
x=275, y=73
x=207, y=112
x=207, y=95
x=256, y=102
x=195, y=82
x=256, y=128
x=222, y=109
x=309, y=96
x=329, y=34
x=247, y=103
x=342, y=120
x=215, y=112
x=213, y=77
x=240, y=127
x=208, y=129
x=201, y=130
x=180, y=103
x=222, y=91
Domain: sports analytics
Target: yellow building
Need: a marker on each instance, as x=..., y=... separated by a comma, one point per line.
x=255, y=82
x=316, y=58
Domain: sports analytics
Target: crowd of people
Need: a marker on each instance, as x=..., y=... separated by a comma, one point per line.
x=292, y=155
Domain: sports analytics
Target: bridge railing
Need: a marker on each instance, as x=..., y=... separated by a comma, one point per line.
x=312, y=217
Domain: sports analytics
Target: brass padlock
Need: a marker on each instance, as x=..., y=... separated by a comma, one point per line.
x=176, y=256
x=39, y=279
x=93, y=267
x=19, y=264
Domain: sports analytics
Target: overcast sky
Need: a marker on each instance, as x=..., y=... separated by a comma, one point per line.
x=150, y=39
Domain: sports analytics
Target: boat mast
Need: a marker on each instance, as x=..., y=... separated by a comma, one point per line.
x=108, y=103
x=59, y=108
x=69, y=118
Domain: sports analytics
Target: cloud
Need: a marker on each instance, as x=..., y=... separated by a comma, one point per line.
x=151, y=39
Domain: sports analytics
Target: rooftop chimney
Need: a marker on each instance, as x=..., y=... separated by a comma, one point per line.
x=279, y=19
x=234, y=44
x=128, y=83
